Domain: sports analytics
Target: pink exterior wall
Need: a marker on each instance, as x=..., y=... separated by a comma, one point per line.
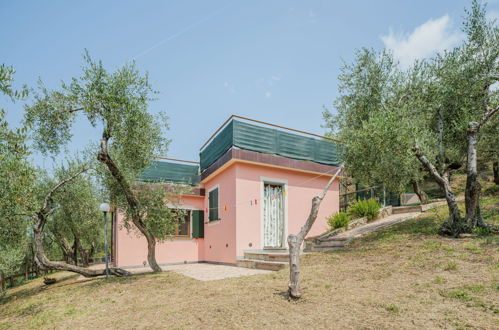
x=240, y=223
x=220, y=236
x=301, y=187
x=131, y=249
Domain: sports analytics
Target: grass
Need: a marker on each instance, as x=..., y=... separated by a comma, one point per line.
x=405, y=276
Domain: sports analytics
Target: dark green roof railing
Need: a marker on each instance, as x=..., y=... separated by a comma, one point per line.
x=270, y=141
x=170, y=172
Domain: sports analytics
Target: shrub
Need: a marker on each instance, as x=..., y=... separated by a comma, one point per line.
x=339, y=220
x=365, y=208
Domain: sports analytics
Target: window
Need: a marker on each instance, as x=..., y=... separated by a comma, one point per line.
x=184, y=225
x=213, y=205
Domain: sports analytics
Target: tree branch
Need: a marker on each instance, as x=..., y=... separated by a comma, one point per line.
x=48, y=197
x=429, y=166
x=315, y=206
x=488, y=114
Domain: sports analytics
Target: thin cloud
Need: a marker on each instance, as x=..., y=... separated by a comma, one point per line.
x=182, y=31
x=430, y=37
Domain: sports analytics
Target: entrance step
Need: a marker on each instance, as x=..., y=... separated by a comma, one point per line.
x=261, y=264
x=282, y=256
x=268, y=259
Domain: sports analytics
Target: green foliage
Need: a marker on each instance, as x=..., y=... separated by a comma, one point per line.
x=339, y=220
x=159, y=205
x=118, y=103
x=365, y=208
x=116, y=100
x=373, y=124
x=16, y=191
x=456, y=294
x=482, y=231
x=451, y=265
x=384, y=111
x=78, y=218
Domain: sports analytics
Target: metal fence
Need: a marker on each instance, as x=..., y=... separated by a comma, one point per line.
x=376, y=192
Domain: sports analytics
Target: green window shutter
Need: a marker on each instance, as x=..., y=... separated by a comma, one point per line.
x=215, y=204
x=197, y=224
x=210, y=206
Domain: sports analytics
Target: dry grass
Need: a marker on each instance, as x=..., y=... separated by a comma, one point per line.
x=403, y=277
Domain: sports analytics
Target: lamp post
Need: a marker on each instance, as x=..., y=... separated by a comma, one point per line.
x=104, y=207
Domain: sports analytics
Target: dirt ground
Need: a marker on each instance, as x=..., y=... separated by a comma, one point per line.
x=403, y=277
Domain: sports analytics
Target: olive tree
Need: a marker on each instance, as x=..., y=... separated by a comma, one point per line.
x=371, y=120
x=433, y=111
x=16, y=174
x=117, y=104
x=76, y=224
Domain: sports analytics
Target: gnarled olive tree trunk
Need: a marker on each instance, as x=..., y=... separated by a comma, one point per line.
x=40, y=219
x=295, y=241
x=473, y=187
x=132, y=202
x=495, y=170
x=455, y=223
x=423, y=197
x=2, y=281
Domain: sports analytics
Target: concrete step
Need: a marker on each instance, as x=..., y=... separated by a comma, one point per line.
x=331, y=243
x=261, y=264
x=322, y=248
x=267, y=256
x=333, y=238
x=407, y=209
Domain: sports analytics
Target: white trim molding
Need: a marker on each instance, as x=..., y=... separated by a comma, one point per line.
x=277, y=181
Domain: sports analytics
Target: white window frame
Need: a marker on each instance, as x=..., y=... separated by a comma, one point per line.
x=213, y=222
x=278, y=181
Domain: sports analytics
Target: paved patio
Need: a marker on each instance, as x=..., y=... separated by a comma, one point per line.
x=205, y=271
x=199, y=271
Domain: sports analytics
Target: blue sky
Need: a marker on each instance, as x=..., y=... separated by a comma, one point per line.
x=275, y=61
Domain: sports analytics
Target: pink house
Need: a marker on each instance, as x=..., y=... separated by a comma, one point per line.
x=252, y=187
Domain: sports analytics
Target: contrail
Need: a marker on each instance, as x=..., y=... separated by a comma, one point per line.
x=184, y=30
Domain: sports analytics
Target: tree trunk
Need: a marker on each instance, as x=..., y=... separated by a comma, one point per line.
x=2, y=281
x=295, y=241
x=151, y=253
x=495, y=169
x=75, y=250
x=454, y=225
x=132, y=202
x=67, y=250
x=40, y=219
x=85, y=259
x=473, y=186
x=44, y=263
x=423, y=197
x=78, y=247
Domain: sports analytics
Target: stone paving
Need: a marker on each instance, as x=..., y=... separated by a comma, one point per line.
x=198, y=271
x=205, y=271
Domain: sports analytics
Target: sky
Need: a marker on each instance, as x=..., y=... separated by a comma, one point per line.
x=275, y=61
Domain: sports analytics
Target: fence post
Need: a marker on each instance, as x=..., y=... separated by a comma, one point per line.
x=2, y=281
x=384, y=196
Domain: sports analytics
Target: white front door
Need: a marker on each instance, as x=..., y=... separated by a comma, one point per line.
x=273, y=216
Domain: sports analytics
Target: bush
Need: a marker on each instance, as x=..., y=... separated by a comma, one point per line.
x=365, y=208
x=339, y=220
